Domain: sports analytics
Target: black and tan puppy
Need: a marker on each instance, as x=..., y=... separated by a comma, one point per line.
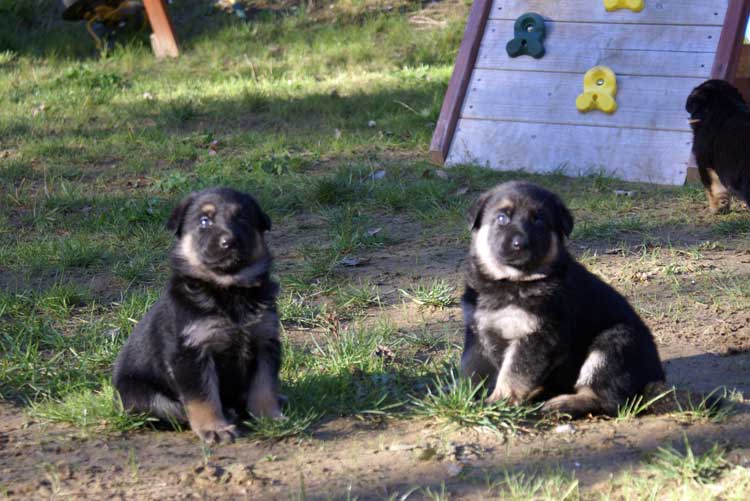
x=721, y=142
x=539, y=326
x=209, y=349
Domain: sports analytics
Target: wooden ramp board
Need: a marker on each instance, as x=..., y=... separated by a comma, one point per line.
x=629, y=154
x=643, y=102
x=668, y=12
x=519, y=113
x=685, y=51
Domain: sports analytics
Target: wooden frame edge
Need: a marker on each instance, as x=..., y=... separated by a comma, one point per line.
x=454, y=96
x=728, y=51
x=163, y=40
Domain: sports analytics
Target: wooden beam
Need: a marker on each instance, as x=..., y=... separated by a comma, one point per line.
x=730, y=42
x=163, y=41
x=454, y=96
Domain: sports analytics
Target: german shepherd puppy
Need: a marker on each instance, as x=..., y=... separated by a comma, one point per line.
x=720, y=120
x=538, y=325
x=209, y=350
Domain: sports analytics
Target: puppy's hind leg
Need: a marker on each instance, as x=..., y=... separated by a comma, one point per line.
x=140, y=396
x=718, y=195
x=584, y=401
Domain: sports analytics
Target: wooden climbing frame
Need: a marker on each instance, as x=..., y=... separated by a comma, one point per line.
x=163, y=40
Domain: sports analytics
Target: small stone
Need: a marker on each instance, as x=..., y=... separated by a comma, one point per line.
x=371, y=123
x=565, y=428
x=455, y=469
x=395, y=447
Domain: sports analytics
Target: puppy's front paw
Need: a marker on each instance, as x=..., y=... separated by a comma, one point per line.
x=504, y=391
x=264, y=402
x=217, y=433
x=719, y=205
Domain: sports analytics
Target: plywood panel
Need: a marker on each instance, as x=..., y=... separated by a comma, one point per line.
x=659, y=157
x=686, y=51
x=643, y=102
x=696, y=12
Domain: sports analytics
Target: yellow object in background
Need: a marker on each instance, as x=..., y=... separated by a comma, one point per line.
x=634, y=5
x=599, y=89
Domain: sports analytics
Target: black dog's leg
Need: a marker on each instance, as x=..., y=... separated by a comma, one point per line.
x=263, y=399
x=526, y=363
x=717, y=194
x=137, y=395
x=198, y=385
x=474, y=363
x=621, y=362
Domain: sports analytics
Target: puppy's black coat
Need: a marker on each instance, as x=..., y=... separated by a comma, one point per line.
x=209, y=349
x=720, y=120
x=538, y=325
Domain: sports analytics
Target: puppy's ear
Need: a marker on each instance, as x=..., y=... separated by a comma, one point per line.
x=564, y=217
x=475, y=214
x=174, y=223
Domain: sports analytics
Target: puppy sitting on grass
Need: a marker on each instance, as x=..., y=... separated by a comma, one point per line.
x=538, y=325
x=209, y=349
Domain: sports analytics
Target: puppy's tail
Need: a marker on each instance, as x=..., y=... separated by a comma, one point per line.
x=660, y=398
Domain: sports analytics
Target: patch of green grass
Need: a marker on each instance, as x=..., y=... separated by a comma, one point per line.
x=348, y=371
x=90, y=409
x=685, y=467
x=637, y=405
x=296, y=309
x=294, y=423
x=353, y=299
x=436, y=294
x=539, y=486
x=455, y=400
x=715, y=407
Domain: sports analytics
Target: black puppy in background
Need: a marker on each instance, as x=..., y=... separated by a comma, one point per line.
x=538, y=325
x=720, y=120
x=209, y=349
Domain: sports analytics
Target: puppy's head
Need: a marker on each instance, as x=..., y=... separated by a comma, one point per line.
x=518, y=231
x=219, y=235
x=713, y=96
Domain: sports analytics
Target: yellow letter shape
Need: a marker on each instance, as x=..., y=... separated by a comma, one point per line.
x=599, y=89
x=634, y=5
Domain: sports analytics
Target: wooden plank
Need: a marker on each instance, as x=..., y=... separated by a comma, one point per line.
x=696, y=12
x=659, y=157
x=454, y=96
x=743, y=68
x=685, y=51
x=643, y=102
x=730, y=43
x=163, y=40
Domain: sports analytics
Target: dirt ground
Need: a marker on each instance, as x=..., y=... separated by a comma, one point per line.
x=373, y=459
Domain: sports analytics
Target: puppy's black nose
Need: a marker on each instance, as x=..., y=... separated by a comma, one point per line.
x=226, y=241
x=519, y=242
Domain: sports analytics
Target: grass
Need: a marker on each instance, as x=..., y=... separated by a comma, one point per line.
x=456, y=401
x=325, y=114
x=686, y=466
x=541, y=486
x=436, y=294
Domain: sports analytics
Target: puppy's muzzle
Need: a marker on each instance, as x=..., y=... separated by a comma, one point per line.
x=519, y=243
x=226, y=241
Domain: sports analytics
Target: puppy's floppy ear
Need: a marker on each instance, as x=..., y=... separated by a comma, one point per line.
x=475, y=214
x=174, y=223
x=564, y=217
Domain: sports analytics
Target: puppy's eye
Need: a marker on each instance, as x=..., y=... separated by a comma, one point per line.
x=503, y=219
x=538, y=220
x=205, y=222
